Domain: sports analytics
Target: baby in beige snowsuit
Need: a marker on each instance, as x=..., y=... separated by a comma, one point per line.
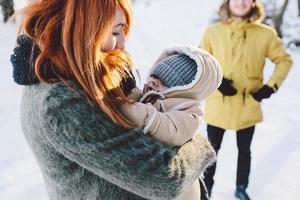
x=170, y=111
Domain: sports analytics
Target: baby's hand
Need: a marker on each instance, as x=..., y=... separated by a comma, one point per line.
x=151, y=97
x=146, y=89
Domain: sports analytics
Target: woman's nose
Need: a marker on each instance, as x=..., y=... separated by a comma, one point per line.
x=121, y=42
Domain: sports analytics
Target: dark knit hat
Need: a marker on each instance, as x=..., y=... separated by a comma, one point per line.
x=175, y=70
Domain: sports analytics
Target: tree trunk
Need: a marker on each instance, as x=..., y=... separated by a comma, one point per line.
x=299, y=8
x=277, y=17
x=7, y=7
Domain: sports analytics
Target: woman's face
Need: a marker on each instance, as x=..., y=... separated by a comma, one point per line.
x=240, y=8
x=116, y=39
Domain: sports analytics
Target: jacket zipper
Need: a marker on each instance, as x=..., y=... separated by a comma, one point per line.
x=244, y=37
x=233, y=49
x=244, y=96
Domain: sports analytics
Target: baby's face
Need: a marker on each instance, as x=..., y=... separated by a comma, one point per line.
x=155, y=84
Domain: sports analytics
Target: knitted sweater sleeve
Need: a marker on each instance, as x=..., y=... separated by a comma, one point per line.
x=126, y=158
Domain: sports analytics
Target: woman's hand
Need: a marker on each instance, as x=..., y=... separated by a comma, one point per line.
x=135, y=94
x=263, y=93
x=226, y=87
x=146, y=89
x=25, y=49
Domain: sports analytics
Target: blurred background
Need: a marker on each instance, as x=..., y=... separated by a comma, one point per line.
x=158, y=24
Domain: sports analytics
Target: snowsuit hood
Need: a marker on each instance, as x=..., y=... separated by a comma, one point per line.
x=207, y=78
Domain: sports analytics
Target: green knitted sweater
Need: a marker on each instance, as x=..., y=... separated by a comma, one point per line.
x=83, y=155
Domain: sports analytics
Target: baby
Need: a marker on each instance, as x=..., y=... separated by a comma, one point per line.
x=169, y=110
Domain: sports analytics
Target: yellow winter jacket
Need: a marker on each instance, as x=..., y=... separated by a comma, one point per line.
x=241, y=48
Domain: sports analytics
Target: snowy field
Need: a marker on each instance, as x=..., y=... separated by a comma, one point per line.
x=157, y=25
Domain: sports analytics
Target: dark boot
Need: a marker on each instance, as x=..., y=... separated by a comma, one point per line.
x=240, y=193
x=209, y=192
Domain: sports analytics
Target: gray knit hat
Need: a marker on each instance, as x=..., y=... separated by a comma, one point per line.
x=175, y=70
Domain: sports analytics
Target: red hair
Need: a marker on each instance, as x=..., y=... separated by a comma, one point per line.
x=70, y=33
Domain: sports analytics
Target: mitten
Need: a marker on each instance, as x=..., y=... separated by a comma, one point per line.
x=23, y=61
x=226, y=87
x=264, y=92
x=151, y=97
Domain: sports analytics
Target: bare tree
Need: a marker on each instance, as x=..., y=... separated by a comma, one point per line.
x=299, y=8
x=7, y=7
x=277, y=16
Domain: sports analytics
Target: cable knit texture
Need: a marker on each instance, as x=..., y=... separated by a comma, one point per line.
x=84, y=155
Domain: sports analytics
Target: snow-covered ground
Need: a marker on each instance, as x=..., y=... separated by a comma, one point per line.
x=157, y=25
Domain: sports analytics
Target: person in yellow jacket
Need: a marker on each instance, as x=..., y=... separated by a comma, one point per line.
x=241, y=43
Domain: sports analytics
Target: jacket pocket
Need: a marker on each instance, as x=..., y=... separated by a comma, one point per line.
x=251, y=112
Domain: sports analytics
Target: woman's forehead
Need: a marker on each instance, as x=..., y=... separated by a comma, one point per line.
x=120, y=18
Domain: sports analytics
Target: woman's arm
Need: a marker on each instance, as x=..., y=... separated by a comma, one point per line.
x=282, y=60
x=126, y=158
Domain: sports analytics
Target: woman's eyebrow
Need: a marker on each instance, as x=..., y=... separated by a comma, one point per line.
x=120, y=24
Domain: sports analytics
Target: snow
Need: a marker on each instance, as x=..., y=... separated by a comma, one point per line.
x=158, y=25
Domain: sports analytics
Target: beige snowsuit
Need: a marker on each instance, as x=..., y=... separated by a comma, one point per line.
x=175, y=117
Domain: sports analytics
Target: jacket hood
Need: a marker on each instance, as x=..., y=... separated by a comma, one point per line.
x=257, y=14
x=207, y=79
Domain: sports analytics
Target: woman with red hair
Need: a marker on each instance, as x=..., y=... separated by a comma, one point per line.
x=71, y=58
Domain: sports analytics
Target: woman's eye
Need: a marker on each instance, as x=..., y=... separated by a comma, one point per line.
x=116, y=34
